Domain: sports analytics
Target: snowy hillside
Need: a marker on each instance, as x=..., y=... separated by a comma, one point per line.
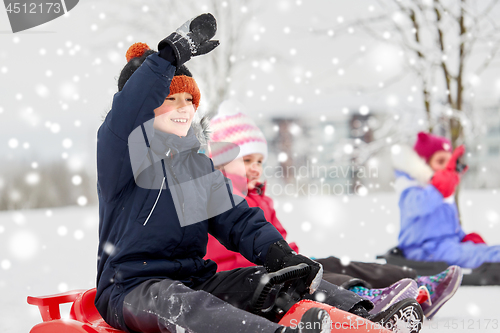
x=49, y=251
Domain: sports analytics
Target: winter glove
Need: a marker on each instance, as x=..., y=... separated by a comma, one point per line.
x=446, y=180
x=473, y=237
x=454, y=163
x=192, y=38
x=280, y=255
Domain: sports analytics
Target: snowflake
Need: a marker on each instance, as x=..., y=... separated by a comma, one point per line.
x=390, y=228
x=62, y=231
x=13, y=143
x=32, y=178
x=78, y=234
x=62, y=287
x=306, y=226
x=67, y=143
x=345, y=261
x=364, y=110
x=5, y=264
x=76, y=180
x=320, y=296
x=109, y=248
x=473, y=309
x=55, y=128
x=23, y=245
x=282, y=157
x=348, y=149
x=82, y=200
x=287, y=207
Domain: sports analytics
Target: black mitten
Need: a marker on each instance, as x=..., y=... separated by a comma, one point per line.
x=192, y=38
x=280, y=255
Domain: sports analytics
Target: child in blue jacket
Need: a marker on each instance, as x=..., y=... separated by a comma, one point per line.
x=159, y=198
x=426, y=178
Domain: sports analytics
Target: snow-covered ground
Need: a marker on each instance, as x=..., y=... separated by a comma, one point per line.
x=51, y=250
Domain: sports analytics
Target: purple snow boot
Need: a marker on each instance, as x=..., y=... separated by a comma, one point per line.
x=441, y=287
x=404, y=316
x=385, y=297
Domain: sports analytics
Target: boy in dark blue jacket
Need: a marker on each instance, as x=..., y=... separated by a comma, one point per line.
x=159, y=198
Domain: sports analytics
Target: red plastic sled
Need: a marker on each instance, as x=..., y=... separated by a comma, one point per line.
x=84, y=317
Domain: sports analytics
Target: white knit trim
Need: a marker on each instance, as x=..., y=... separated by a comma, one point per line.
x=402, y=183
x=253, y=148
x=450, y=200
x=245, y=149
x=408, y=161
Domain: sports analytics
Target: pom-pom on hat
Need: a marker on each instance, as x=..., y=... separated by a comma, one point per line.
x=136, y=51
x=428, y=144
x=233, y=126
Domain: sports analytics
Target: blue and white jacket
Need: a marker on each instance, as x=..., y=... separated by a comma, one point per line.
x=427, y=219
x=430, y=227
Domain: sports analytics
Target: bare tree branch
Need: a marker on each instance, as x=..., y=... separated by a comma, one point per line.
x=446, y=74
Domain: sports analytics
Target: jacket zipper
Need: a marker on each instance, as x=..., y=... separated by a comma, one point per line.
x=157, y=198
x=179, y=193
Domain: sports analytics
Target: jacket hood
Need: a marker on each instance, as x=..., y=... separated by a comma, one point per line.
x=408, y=161
x=201, y=128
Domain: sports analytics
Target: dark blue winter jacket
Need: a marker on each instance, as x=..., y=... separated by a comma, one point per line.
x=146, y=229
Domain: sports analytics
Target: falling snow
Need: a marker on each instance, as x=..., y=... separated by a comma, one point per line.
x=306, y=71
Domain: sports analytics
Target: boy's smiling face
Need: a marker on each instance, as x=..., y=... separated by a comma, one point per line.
x=253, y=168
x=175, y=115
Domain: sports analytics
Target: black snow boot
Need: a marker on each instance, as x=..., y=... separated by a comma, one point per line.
x=314, y=320
x=403, y=316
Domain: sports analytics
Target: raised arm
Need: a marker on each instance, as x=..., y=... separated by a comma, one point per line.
x=146, y=90
x=143, y=92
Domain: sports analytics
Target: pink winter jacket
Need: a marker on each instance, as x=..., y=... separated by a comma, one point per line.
x=227, y=260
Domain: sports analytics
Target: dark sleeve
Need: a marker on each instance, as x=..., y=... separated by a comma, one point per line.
x=168, y=54
x=132, y=107
x=240, y=228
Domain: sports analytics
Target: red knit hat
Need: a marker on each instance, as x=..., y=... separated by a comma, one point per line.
x=179, y=84
x=428, y=144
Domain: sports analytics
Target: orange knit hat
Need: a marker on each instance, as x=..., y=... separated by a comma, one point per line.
x=183, y=83
x=179, y=84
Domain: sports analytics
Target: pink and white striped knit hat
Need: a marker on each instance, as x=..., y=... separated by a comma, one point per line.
x=238, y=130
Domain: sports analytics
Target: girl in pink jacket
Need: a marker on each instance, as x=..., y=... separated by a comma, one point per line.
x=239, y=149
